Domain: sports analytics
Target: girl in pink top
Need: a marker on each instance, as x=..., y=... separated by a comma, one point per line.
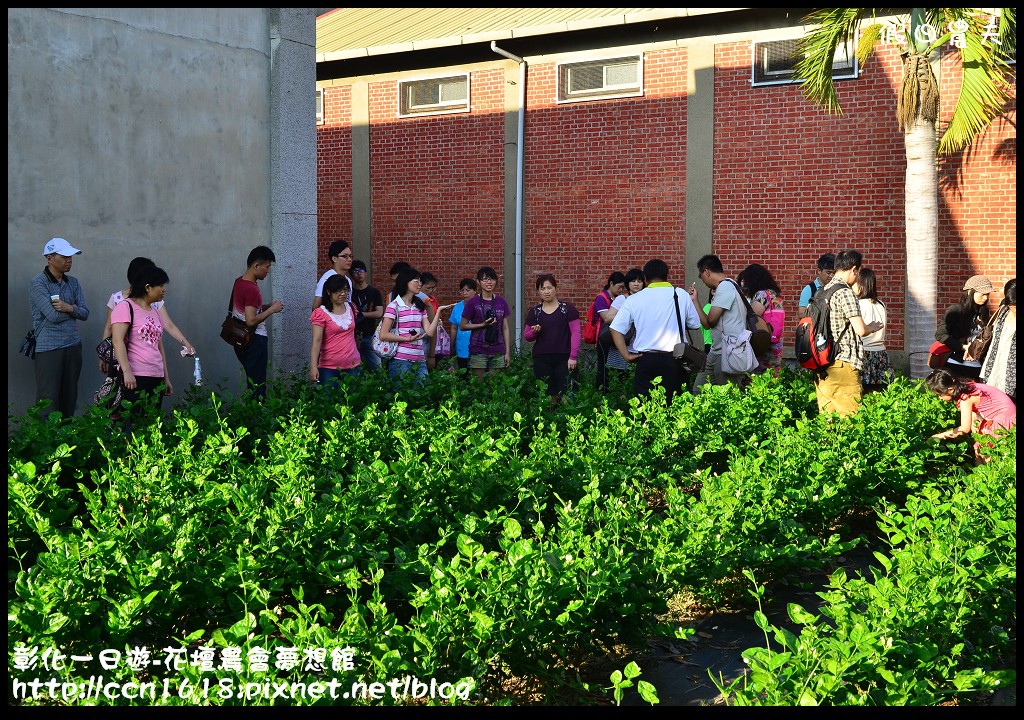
x=983, y=408
x=334, y=350
x=137, y=333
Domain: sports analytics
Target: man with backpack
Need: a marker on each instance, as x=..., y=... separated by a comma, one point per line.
x=826, y=267
x=837, y=383
x=727, y=316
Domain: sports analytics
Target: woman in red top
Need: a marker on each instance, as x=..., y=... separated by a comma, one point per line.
x=983, y=408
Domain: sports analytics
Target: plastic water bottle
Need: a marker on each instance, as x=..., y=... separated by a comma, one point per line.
x=198, y=372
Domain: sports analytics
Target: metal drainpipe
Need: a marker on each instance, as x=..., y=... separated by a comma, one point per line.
x=520, y=189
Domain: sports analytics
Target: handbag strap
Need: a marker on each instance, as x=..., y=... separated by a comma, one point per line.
x=739, y=291
x=679, y=319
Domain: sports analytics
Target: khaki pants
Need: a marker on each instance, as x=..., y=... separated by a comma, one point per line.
x=840, y=391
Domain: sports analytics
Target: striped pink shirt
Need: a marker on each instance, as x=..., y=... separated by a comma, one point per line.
x=410, y=320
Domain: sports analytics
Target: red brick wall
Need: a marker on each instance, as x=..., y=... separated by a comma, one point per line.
x=438, y=189
x=334, y=173
x=606, y=183
x=606, y=180
x=792, y=182
x=977, y=201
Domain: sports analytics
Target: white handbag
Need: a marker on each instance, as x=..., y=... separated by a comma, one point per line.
x=737, y=354
x=387, y=349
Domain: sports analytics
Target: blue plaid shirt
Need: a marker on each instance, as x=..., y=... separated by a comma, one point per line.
x=56, y=330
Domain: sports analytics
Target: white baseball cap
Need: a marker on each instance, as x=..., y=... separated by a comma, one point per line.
x=61, y=247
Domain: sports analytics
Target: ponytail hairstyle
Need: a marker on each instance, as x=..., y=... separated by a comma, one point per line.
x=615, y=278
x=943, y=382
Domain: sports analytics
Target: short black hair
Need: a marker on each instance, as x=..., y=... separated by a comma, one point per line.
x=336, y=248
x=260, y=253
x=428, y=277
x=333, y=284
x=546, y=277
x=656, y=270
x=358, y=265
x=398, y=267
x=467, y=283
x=827, y=262
x=486, y=272
x=150, y=275
x=635, y=274
x=710, y=262
x=848, y=259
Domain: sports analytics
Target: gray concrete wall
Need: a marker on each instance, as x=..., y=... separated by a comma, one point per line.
x=185, y=135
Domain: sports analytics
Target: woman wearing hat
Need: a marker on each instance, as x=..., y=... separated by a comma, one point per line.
x=962, y=323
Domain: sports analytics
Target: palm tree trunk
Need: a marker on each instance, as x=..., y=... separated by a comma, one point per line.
x=922, y=222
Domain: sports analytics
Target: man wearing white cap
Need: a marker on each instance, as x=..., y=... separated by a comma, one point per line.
x=57, y=304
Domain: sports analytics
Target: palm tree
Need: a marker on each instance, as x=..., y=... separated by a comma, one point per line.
x=983, y=52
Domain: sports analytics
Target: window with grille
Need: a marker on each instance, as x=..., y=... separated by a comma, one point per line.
x=434, y=95
x=595, y=79
x=774, y=62
x=320, y=106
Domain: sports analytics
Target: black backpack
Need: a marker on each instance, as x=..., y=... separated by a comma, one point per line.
x=815, y=347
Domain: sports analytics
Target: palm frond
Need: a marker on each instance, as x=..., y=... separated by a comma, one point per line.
x=981, y=99
x=830, y=27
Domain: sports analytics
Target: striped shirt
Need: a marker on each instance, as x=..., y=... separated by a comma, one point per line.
x=56, y=330
x=410, y=320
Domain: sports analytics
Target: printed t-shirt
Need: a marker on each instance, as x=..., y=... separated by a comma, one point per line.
x=142, y=339
x=246, y=293
x=475, y=312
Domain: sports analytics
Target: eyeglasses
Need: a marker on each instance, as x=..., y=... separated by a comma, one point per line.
x=347, y=257
x=359, y=270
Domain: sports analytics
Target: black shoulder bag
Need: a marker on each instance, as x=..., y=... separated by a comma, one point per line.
x=691, y=358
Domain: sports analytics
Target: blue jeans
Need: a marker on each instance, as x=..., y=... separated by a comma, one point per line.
x=254, y=359
x=397, y=368
x=370, y=359
x=330, y=376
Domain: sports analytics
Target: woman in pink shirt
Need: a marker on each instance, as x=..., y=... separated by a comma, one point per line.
x=137, y=330
x=407, y=322
x=983, y=408
x=334, y=350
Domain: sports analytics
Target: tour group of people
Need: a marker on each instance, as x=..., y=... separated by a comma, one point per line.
x=641, y=318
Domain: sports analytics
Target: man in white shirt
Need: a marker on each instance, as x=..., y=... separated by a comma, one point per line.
x=653, y=312
x=340, y=255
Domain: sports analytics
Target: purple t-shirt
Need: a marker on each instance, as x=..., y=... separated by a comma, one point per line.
x=555, y=333
x=486, y=341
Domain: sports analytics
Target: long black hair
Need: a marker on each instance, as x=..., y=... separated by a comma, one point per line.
x=866, y=287
x=402, y=280
x=970, y=309
x=756, y=278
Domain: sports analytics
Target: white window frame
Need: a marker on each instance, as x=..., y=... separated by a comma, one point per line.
x=606, y=92
x=319, y=106
x=443, y=107
x=848, y=69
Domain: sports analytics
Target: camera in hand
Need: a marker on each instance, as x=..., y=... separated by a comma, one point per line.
x=491, y=331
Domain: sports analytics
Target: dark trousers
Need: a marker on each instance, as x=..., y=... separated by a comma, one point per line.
x=652, y=365
x=148, y=392
x=602, y=365
x=553, y=368
x=254, y=359
x=57, y=373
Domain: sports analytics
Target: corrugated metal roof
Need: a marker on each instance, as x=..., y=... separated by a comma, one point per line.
x=361, y=32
